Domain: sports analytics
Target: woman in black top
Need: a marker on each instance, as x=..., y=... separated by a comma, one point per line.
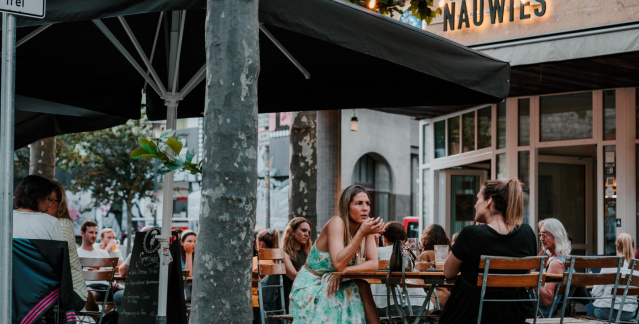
x=500, y=207
x=297, y=243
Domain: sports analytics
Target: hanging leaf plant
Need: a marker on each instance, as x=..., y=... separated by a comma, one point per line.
x=422, y=9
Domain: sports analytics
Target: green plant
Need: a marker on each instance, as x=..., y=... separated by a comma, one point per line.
x=419, y=8
x=156, y=147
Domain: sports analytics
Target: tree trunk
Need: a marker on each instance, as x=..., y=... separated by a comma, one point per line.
x=42, y=158
x=222, y=269
x=302, y=192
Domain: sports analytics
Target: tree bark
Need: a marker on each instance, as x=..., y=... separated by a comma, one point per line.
x=42, y=158
x=222, y=270
x=302, y=192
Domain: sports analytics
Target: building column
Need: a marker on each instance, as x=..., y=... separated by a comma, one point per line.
x=626, y=164
x=328, y=165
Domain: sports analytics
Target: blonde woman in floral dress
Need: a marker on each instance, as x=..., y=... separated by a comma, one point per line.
x=346, y=243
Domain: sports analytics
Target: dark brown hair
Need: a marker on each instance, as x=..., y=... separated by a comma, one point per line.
x=508, y=199
x=433, y=235
x=31, y=190
x=87, y=223
x=270, y=237
x=394, y=231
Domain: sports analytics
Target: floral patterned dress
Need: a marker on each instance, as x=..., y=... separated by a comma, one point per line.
x=309, y=301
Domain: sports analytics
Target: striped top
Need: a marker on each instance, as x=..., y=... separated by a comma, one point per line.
x=79, y=286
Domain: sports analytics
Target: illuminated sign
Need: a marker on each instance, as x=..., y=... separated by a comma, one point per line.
x=496, y=8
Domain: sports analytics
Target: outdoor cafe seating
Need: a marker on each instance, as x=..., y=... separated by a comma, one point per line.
x=91, y=270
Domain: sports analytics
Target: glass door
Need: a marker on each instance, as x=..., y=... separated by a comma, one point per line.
x=565, y=193
x=458, y=194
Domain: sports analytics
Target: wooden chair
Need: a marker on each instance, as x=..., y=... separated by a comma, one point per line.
x=626, y=288
x=90, y=274
x=510, y=280
x=275, y=269
x=571, y=278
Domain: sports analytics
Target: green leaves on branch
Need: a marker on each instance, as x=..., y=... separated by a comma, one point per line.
x=155, y=148
x=419, y=8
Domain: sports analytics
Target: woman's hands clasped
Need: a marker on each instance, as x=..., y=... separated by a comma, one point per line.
x=372, y=226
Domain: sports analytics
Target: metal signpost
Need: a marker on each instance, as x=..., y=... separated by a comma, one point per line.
x=8, y=8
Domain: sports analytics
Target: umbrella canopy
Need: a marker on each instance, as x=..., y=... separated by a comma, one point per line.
x=339, y=56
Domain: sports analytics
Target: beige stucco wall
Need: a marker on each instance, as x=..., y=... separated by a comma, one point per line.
x=560, y=15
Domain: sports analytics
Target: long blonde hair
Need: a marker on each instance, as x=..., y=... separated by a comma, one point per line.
x=625, y=245
x=288, y=240
x=344, y=211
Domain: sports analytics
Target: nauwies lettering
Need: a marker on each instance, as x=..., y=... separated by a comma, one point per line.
x=496, y=8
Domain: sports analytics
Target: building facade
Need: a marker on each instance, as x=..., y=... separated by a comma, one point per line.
x=568, y=129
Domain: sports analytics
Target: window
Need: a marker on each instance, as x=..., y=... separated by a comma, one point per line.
x=468, y=132
x=565, y=117
x=453, y=135
x=524, y=121
x=484, y=116
x=440, y=139
x=501, y=125
x=609, y=115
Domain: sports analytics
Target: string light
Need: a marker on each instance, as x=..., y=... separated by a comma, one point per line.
x=372, y=4
x=442, y=3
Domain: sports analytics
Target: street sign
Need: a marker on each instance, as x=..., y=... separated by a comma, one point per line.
x=263, y=138
x=263, y=120
x=29, y=8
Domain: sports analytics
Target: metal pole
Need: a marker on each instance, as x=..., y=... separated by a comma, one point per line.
x=167, y=217
x=267, y=176
x=6, y=162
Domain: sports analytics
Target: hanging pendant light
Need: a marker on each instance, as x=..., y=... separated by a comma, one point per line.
x=354, y=123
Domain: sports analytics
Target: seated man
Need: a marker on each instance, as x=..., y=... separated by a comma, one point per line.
x=109, y=244
x=89, y=233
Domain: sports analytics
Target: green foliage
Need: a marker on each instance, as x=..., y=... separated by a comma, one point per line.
x=100, y=163
x=419, y=8
x=155, y=148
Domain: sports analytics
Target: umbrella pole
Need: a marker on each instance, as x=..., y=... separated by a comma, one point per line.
x=7, y=117
x=167, y=218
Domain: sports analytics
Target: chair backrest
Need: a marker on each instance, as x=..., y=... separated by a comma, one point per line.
x=274, y=285
x=382, y=264
x=92, y=268
x=629, y=286
x=276, y=255
x=571, y=278
x=520, y=277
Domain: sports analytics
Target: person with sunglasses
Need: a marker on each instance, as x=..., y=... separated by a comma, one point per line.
x=554, y=241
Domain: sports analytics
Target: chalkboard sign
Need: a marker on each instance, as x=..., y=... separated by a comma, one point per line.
x=140, y=300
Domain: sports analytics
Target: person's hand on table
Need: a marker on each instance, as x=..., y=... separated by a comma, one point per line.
x=333, y=285
x=189, y=247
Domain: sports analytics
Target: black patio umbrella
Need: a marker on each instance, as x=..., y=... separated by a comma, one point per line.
x=315, y=55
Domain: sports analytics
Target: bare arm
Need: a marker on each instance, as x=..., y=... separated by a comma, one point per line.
x=291, y=273
x=547, y=292
x=124, y=270
x=452, y=266
x=371, y=263
x=341, y=255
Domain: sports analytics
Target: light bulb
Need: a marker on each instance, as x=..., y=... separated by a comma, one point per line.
x=442, y=3
x=372, y=4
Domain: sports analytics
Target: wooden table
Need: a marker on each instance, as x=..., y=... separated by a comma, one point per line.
x=427, y=280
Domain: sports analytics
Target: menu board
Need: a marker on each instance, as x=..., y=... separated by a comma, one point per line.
x=140, y=300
